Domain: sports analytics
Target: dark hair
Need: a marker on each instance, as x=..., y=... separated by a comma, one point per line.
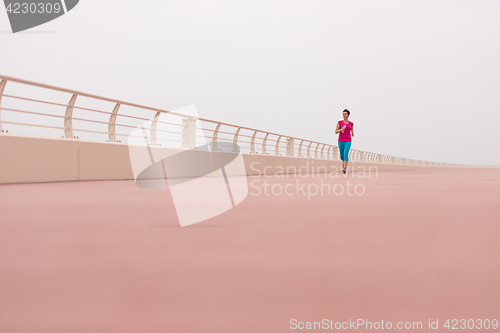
x=348, y=112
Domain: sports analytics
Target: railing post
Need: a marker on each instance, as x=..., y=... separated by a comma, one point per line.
x=277, y=149
x=316, y=151
x=264, y=144
x=112, y=123
x=309, y=150
x=214, y=138
x=152, y=132
x=68, y=118
x=290, y=151
x=322, y=148
x=300, y=148
x=188, y=132
x=252, y=143
x=2, y=87
x=235, y=140
x=328, y=153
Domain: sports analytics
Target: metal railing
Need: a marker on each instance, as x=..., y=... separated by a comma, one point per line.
x=73, y=114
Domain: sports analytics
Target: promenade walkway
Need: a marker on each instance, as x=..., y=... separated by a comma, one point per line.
x=108, y=256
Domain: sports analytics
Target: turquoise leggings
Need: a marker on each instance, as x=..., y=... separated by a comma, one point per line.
x=344, y=147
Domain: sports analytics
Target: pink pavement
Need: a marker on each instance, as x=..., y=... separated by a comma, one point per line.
x=108, y=256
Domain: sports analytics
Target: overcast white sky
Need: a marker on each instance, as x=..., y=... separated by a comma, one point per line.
x=421, y=78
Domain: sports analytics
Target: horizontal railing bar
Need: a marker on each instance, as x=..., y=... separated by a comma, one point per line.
x=82, y=130
x=127, y=116
x=164, y=122
x=248, y=136
x=224, y=139
x=204, y=136
x=32, y=112
x=226, y=132
x=130, y=135
x=169, y=140
x=92, y=110
x=126, y=125
x=35, y=100
x=93, y=121
x=158, y=130
x=205, y=129
x=25, y=124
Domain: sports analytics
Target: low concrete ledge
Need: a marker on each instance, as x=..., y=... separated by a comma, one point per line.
x=31, y=159
x=41, y=159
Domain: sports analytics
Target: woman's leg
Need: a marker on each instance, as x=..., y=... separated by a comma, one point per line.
x=341, y=151
x=347, y=147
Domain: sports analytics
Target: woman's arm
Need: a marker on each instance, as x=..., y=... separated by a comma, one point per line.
x=352, y=130
x=337, y=130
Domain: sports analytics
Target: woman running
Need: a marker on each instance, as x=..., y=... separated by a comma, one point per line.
x=345, y=129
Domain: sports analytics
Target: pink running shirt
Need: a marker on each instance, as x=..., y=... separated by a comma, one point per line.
x=346, y=136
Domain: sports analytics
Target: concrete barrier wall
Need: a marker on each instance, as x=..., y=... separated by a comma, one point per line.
x=39, y=159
